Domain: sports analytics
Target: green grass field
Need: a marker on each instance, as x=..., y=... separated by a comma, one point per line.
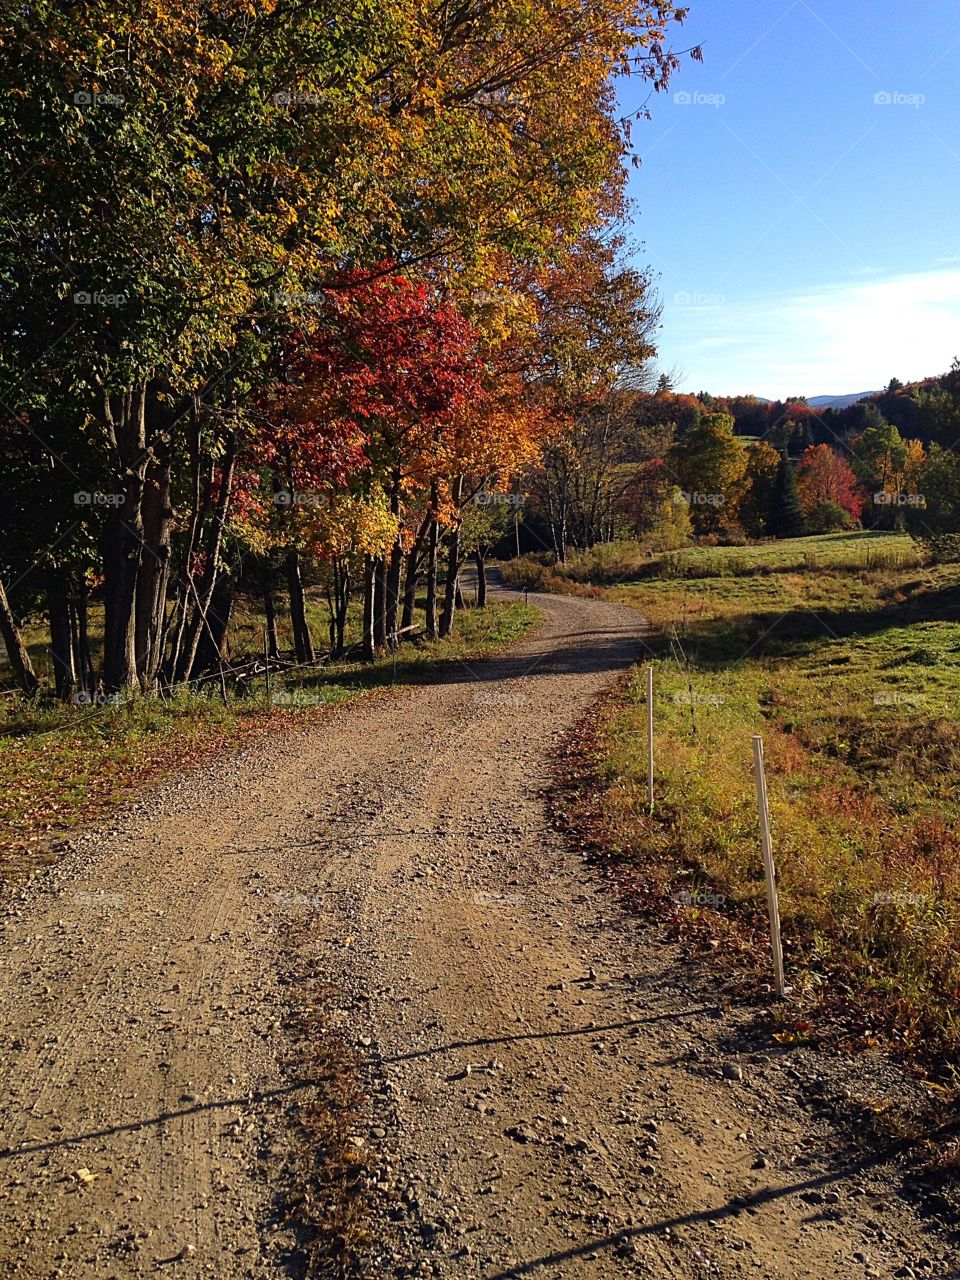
x=844, y=653
x=843, y=551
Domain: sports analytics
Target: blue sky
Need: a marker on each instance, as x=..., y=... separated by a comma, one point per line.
x=799, y=195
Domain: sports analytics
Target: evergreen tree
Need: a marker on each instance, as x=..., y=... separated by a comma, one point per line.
x=785, y=517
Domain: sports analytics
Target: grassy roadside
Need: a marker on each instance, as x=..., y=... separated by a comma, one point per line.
x=64, y=765
x=850, y=668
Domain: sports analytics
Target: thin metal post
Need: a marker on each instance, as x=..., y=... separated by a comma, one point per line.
x=650, y=736
x=770, y=875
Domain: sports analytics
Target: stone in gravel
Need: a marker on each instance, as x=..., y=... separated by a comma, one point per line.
x=521, y=1133
x=732, y=1071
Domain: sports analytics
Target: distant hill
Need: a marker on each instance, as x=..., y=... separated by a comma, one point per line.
x=838, y=402
x=827, y=402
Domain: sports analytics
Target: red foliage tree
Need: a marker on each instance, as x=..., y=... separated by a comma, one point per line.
x=386, y=367
x=823, y=476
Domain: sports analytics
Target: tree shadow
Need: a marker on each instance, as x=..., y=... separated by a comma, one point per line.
x=795, y=631
x=730, y=1209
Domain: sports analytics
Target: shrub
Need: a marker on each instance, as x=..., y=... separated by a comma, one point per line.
x=829, y=517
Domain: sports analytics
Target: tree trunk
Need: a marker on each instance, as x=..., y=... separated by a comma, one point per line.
x=432, y=554
x=410, y=588
x=413, y=573
x=394, y=572
x=480, y=561
x=75, y=656
x=203, y=595
x=380, y=604
x=121, y=565
x=153, y=578
x=212, y=650
x=453, y=582
x=20, y=663
x=302, y=640
x=270, y=610
x=61, y=638
x=369, y=608
x=394, y=567
x=200, y=502
x=84, y=656
x=452, y=592
x=339, y=598
x=125, y=419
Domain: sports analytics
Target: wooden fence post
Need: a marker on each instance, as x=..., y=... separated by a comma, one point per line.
x=650, y=736
x=770, y=875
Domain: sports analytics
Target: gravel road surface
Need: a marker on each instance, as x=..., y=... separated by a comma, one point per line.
x=550, y=1089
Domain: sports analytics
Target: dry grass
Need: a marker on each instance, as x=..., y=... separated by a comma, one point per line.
x=853, y=679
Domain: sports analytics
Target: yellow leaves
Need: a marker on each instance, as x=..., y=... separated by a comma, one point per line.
x=344, y=523
x=286, y=216
x=796, y=1033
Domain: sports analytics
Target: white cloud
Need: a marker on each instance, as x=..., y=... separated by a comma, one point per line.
x=827, y=340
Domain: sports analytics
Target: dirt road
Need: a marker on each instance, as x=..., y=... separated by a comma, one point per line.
x=551, y=1090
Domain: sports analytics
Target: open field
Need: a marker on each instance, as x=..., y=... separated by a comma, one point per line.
x=852, y=675
x=611, y=563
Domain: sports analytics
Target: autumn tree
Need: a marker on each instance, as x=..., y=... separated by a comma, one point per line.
x=597, y=319
x=711, y=468
x=186, y=181
x=826, y=480
x=763, y=470
x=878, y=456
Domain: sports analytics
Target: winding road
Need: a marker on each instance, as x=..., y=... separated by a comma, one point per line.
x=548, y=1088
